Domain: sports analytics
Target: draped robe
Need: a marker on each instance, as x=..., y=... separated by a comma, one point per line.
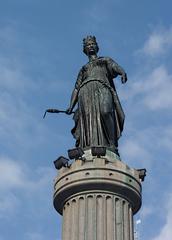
x=99, y=117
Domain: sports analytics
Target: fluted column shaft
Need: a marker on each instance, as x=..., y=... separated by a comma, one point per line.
x=97, y=216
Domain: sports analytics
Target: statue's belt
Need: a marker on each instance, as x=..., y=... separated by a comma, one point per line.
x=93, y=80
x=114, y=94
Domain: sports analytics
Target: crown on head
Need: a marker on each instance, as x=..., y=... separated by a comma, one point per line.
x=89, y=39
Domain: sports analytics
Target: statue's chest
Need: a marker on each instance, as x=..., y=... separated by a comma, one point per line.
x=95, y=69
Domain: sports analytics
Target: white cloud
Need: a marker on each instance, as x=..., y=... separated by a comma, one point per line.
x=11, y=178
x=17, y=181
x=158, y=42
x=135, y=151
x=44, y=177
x=146, y=211
x=166, y=231
x=152, y=89
x=141, y=146
x=132, y=149
x=158, y=88
x=12, y=174
x=12, y=77
x=15, y=175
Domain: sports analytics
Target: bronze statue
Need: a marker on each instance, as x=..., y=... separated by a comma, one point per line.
x=99, y=117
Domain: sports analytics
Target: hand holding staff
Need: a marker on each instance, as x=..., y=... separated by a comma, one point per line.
x=54, y=111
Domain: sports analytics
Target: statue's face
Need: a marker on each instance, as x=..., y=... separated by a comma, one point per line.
x=91, y=48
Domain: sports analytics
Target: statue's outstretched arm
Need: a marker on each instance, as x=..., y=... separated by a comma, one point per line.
x=73, y=101
x=118, y=70
x=74, y=97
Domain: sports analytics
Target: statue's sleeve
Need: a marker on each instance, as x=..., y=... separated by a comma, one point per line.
x=114, y=68
x=74, y=96
x=79, y=79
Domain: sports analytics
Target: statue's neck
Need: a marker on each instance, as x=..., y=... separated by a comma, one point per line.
x=92, y=57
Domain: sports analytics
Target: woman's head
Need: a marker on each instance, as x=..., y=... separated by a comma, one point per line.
x=90, y=46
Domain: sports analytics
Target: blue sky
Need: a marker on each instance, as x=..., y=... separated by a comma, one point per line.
x=40, y=56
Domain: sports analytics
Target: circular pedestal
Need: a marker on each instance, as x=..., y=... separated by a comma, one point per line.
x=97, y=198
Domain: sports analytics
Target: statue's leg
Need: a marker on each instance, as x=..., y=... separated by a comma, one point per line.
x=108, y=118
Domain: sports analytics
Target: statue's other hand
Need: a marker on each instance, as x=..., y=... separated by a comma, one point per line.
x=69, y=111
x=124, y=78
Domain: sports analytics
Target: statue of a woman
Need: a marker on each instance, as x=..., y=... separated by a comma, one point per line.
x=99, y=117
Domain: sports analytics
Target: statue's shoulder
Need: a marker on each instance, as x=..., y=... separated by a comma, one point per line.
x=104, y=58
x=82, y=68
x=99, y=60
x=108, y=59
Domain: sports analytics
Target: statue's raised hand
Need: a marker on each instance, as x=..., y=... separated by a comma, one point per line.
x=124, y=78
